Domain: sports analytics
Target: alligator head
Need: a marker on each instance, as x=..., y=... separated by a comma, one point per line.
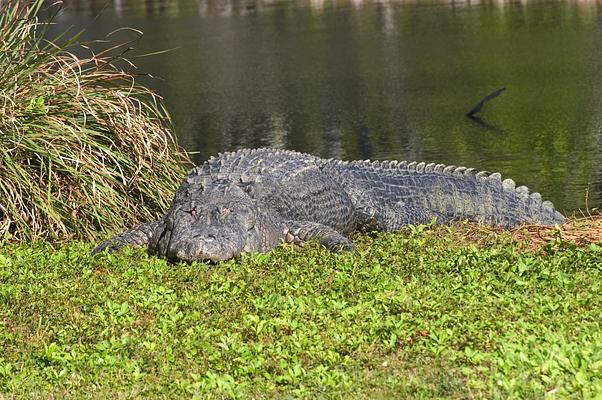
x=214, y=225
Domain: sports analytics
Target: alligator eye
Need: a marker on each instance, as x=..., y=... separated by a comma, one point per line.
x=226, y=211
x=194, y=212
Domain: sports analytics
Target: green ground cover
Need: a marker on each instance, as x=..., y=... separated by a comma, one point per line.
x=421, y=314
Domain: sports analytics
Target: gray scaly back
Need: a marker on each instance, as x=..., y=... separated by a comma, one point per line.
x=448, y=192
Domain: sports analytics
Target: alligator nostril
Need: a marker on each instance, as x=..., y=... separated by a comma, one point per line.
x=209, y=238
x=194, y=212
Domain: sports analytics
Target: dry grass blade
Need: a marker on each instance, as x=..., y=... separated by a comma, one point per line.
x=578, y=231
x=85, y=149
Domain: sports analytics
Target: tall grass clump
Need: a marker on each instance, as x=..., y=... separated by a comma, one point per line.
x=84, y=149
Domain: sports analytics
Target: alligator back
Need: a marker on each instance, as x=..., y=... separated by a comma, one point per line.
x=451, y=192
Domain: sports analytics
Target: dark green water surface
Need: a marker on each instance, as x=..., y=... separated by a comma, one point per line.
x=380, y=80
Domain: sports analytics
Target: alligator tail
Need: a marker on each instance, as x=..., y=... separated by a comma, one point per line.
x=453, y=192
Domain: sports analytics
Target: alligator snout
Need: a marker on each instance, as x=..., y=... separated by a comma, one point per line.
x=204, y=243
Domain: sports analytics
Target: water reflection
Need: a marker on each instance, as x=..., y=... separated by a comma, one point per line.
x=229, y=8
x=388, y=9
x=384, y=79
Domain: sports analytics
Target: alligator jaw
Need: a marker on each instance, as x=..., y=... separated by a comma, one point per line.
x=203, y=250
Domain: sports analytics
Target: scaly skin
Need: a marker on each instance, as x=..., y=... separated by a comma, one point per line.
x=251, y=200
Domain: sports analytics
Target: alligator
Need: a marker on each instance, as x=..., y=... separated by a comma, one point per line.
x=251, y=200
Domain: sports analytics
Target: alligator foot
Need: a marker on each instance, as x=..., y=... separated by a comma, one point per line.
x=301, y=231
x=137, y=236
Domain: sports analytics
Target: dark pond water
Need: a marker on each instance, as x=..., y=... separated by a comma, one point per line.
x=380, y=80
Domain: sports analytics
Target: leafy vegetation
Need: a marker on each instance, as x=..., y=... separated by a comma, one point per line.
x=422, y=314
x=84, y=148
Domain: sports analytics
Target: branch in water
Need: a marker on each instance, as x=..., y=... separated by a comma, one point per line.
x=485, y=99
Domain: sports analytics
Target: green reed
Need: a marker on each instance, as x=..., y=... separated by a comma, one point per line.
x=84, y=148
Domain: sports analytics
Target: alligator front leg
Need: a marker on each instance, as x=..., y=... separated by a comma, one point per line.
x=301, y=231
x=137, y=236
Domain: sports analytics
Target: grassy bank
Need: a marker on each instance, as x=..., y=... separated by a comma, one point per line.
x=424, y=314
